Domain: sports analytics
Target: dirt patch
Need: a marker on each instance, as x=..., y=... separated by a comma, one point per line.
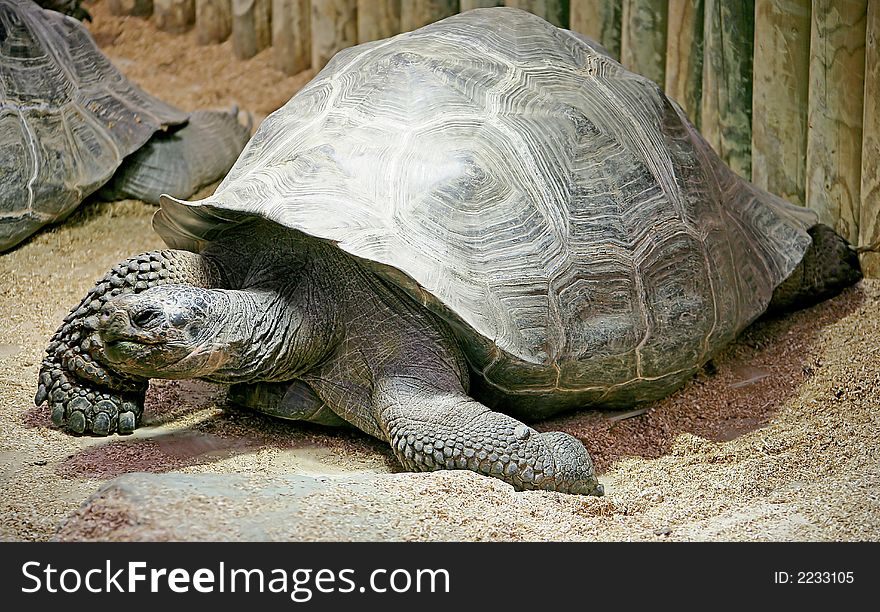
x=776, y=440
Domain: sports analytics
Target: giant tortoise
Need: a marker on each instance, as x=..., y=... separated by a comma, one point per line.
x=482, y=222
x=70, y=122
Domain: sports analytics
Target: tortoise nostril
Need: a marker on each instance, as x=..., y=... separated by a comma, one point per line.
x=145, y=317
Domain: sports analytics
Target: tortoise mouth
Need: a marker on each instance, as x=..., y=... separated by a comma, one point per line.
x=137, y=339
x=151, y=360
x=130, y=349
x=119, y=350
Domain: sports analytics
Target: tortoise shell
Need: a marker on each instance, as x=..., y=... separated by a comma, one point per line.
x=584, y=242
x=68, y=118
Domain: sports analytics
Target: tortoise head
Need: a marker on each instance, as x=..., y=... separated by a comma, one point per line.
x=170, y=331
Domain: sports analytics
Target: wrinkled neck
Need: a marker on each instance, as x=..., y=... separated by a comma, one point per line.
x=269, y=334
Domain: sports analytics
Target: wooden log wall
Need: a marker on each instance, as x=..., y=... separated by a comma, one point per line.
x=417, y=13
x=251, y=27
x=377, y=19
x=834, y=141
x=600, y=20
x=175, y=16
x=726, y=101
x=684, y=55
x=334, y=27
x=869, y=206
x=781, y=76
x=135, y=8
x=554, y=11
x=787, y=91
x=213, y=21
x=291, y=35
x=643, y=38
x=469, y=5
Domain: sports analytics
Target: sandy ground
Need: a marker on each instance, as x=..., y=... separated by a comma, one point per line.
x=775, y=440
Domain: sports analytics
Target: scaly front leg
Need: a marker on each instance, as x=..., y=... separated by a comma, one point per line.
x=433, y=429
x=83, y=393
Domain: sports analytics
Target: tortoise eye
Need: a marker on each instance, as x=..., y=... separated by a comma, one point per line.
x=145, y=317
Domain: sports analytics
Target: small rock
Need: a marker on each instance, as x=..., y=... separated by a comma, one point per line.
x=664, y=531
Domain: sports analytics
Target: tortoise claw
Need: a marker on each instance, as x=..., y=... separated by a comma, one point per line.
x=83, y=409
x=127, y=422
x=41, y=396
x=58, y=415
x=76, y=422
x=101, y=424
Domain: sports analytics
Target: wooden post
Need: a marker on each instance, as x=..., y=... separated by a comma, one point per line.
x=643, y=38
x=554, y=11
x=334, y=27
x=213, y=21
x=834, y=142
x=600, y=20
x=135, y=8
x=726, y=106
x=684, y=56
x=251, y=27
x=469, y=5
x=175, y=16
x=779, y=98
x=417, y=13
x=291, y=35
x=377, y=19
x=869, y=213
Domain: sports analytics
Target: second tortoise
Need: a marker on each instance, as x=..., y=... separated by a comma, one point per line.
x=70, y=122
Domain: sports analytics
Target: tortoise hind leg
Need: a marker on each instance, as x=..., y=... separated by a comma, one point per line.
x=293, y=401
x=829, y=266
x=83, y=394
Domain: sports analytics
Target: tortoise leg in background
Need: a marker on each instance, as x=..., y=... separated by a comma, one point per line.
x=83, y=394
x=829, y=265
x=433, y=429
x=293, y=401
x=181, y=161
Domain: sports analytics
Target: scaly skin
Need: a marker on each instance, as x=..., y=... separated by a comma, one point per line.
x=432, y=430
x=83, y=394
